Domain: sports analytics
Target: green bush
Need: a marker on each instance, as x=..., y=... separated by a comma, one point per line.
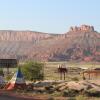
x=33, y=71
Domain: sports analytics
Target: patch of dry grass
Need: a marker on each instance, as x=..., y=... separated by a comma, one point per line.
x=50, y=69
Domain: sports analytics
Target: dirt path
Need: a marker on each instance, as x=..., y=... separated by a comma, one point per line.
x=4, y=95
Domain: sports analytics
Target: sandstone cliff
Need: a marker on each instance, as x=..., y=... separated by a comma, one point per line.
x=79, y=44
x=22, y=35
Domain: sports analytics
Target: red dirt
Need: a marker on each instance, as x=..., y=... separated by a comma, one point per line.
x=9, y=95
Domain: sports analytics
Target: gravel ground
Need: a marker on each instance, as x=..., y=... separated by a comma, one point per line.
x=12, y=96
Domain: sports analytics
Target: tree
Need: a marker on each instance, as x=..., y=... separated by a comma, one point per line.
x=33, y=71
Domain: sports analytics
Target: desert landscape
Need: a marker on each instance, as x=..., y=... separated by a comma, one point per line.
x=71, y=63
x=78, y=44
x=50, y=50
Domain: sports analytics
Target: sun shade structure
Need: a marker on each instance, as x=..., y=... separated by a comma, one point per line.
x=8, y=63
x=11, y=63
x=17, y=81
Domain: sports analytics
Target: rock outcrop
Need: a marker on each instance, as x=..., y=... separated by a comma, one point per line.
x=22, y=35
x=82, y=28
x=79, y=44
x=70, y=88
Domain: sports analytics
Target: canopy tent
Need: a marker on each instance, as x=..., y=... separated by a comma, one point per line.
x=17, y=81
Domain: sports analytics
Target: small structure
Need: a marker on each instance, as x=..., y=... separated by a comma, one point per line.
x=17, y=81
x=62, y=70
x=8, y=63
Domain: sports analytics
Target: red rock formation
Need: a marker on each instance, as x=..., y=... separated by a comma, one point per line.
x=82, y=28
x=22, y=35
x=80, y=43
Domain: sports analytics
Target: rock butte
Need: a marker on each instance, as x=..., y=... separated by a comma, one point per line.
x=79, y=44
x=82, y=28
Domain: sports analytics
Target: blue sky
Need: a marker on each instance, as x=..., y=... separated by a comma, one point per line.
x=54, y=16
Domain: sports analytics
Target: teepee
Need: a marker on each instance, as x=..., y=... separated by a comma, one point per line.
x=17, y=81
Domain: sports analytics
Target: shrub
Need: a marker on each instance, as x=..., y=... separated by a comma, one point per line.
x=56, y=94
x=80, y=97
x=33, y=71
x=70, y=93
x=75, y=79
x=92, y=92
x=8, y=77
